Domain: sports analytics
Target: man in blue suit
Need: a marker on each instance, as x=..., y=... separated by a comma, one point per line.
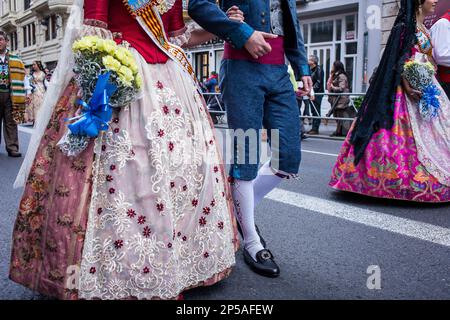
x=257, y=93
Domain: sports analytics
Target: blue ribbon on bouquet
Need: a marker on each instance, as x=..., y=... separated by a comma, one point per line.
x=98, y=112
x=430, y=101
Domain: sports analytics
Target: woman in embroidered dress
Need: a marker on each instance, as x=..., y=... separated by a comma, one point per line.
x=392, y=151
x=37, y=96
x=145, y=211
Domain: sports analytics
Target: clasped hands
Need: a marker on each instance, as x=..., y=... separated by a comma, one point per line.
x=257, y=45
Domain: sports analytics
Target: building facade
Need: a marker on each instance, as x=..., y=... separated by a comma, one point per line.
x=35, y=28
x=352, y=31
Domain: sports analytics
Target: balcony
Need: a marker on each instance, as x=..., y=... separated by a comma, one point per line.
x=59, y=5
x=39, y=6
x=42, y=7
x=8, y=21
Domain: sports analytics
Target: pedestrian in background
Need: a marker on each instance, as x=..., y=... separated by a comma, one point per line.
x=38, y=79
x=317, y=76
x=338, y=83
x=212, y=83
x=12, y=96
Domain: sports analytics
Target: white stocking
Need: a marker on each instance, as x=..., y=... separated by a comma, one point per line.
x=245, y=213
x=265, y=182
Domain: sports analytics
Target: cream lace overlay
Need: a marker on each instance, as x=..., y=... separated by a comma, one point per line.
x=159, y=221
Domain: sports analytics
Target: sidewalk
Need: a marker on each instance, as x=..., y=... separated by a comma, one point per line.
x=325, y=130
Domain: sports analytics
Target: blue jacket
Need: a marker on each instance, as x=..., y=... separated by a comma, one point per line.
x=257, y=17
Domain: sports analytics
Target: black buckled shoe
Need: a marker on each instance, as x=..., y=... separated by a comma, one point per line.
x=264, y=264
x=263, y=242
x=14, y=154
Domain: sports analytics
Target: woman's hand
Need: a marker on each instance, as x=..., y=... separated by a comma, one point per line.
x=410, y=91
x=235, y=14
x=329, y=82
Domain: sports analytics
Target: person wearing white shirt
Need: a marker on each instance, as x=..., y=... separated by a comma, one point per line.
x=440, y=37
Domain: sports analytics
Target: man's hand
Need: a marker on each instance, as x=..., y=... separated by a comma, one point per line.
x=307, y=83
x=235, y=14
x=257, y=46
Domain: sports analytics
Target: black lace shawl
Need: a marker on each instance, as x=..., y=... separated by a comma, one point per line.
x=377, y=109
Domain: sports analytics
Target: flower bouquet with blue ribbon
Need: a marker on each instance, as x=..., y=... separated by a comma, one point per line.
x=108, y=76
x=420, y=75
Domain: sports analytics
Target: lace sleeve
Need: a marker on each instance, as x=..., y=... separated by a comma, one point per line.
x=182, y=37
x=94, y=30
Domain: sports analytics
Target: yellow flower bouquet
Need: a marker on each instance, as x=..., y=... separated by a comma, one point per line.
x=95, y=56
x=109, y=77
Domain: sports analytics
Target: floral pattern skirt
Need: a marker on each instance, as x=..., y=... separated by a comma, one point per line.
x=390, y=167
x=144, y=213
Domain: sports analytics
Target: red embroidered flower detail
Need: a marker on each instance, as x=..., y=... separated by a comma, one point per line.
x=172, y=184
x=177, y=111
x=103, y=147
x=230, y=180
x=131, y=213
x=171, y=146
x=207, y=210
x=141, y=219
x=179, y=234
x=99, y=210
x=213, y=203
x=159, y=85
x=109, y=178
x=118, y=244
x=112, y=190
x=116, y=120
x=195, y=202
x=202, y=221
x=92, y=270
x=220, y=225
x=112, y=167
x=217, y=180
x=206, y=254
x=223, y=194
x=184, y=188
x=166, y=109
x=160, y=206
x=216, y=169
x=169, y=245
x=146, y=232
x=161, y=133
x=132, y=153
x=211, y=142
x=146, y=270
x=184, y=238
x=116, y=130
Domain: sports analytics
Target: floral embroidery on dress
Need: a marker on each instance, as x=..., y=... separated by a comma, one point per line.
x=158, y=264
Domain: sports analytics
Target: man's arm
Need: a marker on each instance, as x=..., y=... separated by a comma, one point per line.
x=298, y=57
x=210, y=17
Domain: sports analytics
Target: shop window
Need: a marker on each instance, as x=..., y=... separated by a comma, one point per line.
x=322, y=31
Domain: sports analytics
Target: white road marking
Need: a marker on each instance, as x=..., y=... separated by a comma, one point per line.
x=414, y=229
x=28, y=130
x=321, y=153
